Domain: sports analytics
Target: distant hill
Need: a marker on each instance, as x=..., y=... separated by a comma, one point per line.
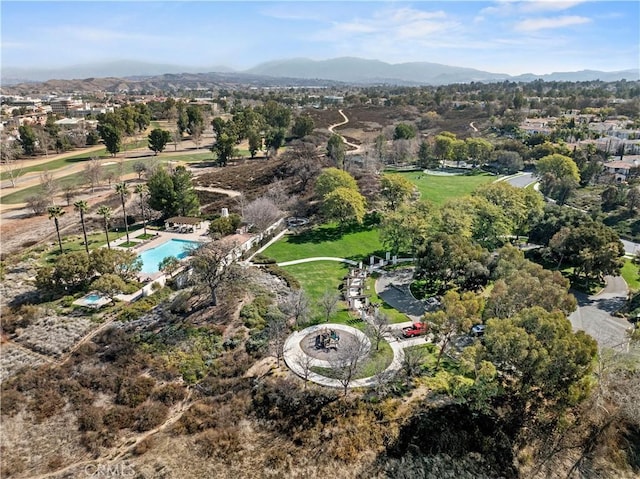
x=583, y=75
x=344, y=70
x=358, y=70
x=121, y=69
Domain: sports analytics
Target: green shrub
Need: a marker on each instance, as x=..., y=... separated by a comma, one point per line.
x=257, y=343
x=119, y=417
x=90, y=418
x=150, y=415
x=262, y=259
x=134, y=391
x=251, y=317
x=136, y=309
x=169, y=394
x=67, y=301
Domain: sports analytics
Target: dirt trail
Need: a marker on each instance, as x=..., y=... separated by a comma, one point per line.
x=356, y=148
x=126, y=445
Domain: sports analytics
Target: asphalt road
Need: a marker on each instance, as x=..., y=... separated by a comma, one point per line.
x=594, y=314
x=522, y=180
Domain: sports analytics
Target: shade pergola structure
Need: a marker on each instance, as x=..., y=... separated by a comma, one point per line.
x=354, y=289
x=183, y=223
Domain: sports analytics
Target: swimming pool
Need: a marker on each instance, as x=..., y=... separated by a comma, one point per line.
x=151, y=258
x=92, y=300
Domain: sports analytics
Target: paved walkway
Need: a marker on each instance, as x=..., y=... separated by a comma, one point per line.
x=293, y=354
x=319, y=258
x=387, y=284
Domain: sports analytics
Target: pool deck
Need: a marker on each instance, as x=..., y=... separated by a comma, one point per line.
x=199, y=235
x=164, y=236
x=94, y=304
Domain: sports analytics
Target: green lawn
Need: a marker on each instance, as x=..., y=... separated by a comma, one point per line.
x=439, y=189
x=327, y=240
x=75, y=242
x=70, y=160
x=317, y=277
x=76, y=179
x=59, y=163
x=630, y=274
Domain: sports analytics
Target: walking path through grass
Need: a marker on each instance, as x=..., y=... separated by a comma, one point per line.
x=439, y=189
x=318, y=258
x=355, y=244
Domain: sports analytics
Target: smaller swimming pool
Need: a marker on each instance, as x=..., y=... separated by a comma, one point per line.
x=151, y=258
x=92, y=298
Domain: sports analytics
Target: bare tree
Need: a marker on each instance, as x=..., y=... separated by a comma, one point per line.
x=304, y=363
x=38, y=203
x=378, y=327
x=402, y=151
x=412, y=361
x=277, y=193
x=196, y=135
x=328, y=303
x=49, y=186
x=12, y=165
x=348, y=360
x=213, y=265
x=70, y=191
x=262, y=213
x=303, y=163
x=297, y=306
x=93, y=173
x=120, y=169
x=277, y=330
x=44, y=140
x=176, y=137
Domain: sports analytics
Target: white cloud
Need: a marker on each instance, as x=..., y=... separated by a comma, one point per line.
x=549, y=5
x=507, y=8
x=535, y=24
x=390, y=24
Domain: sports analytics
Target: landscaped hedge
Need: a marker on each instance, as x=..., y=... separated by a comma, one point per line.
x=283, y=274
x=262, y=259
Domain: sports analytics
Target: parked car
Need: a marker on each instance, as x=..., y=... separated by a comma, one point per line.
x=478, y=330
x=416, y=329
x=431, y=303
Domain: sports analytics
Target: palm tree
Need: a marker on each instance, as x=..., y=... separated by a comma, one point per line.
x=142, y=190
x=106, y=213
x=56, y=212
x=82, y=206
x=123, y=191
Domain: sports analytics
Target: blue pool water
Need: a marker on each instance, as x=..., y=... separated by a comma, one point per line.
x=92, y=298
x=175, y=247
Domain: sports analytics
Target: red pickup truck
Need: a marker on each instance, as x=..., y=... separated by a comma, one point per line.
x=416, y=329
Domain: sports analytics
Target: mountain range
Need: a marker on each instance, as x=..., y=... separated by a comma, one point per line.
x=344, y=69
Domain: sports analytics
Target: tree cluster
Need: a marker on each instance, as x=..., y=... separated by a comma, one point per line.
x=75, y=271
x=172, y=193
x=341, y=199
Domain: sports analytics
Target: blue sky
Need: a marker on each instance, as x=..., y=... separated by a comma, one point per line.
x=504, y=36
